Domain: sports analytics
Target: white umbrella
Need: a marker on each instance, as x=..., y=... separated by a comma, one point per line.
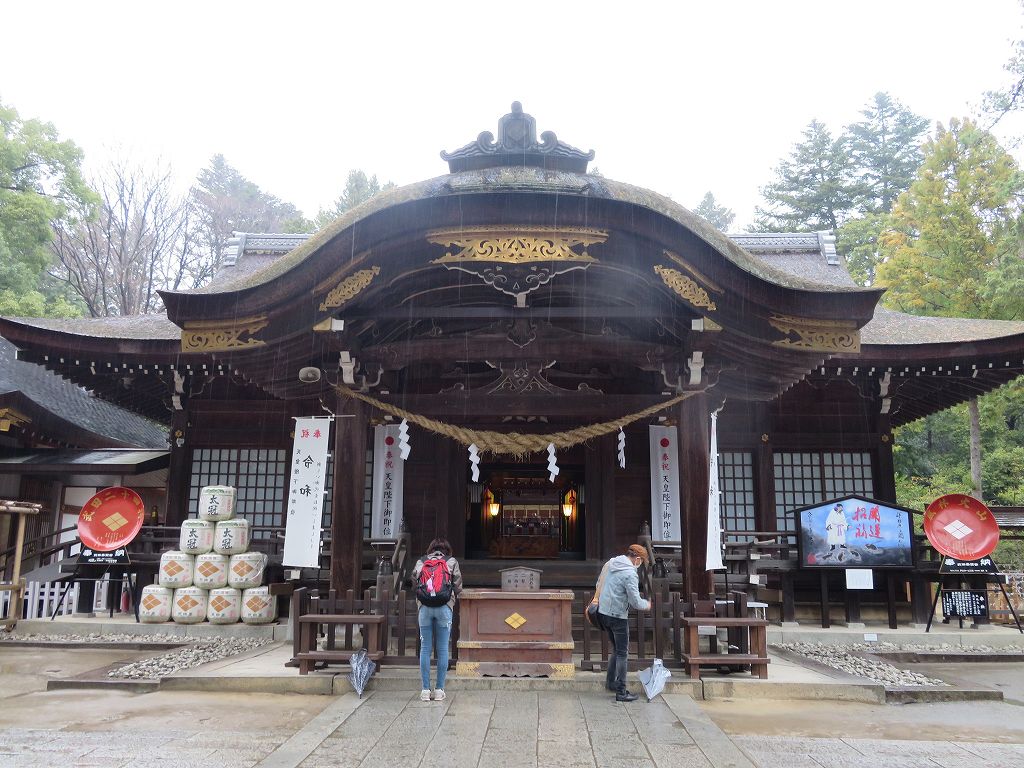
x=654, y=679
x=362, y=669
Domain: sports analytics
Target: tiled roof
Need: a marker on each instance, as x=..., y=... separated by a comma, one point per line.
x=73, y=404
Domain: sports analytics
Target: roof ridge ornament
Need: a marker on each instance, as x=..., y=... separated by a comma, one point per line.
x=517, y=145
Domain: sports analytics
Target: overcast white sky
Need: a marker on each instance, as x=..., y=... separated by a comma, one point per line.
x=675, y=98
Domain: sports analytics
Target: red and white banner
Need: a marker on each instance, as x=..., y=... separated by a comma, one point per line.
x=665, y=522
x=306, y=493
x=388, y=484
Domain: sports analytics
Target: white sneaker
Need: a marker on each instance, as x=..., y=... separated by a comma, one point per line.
x=424, y=695
x=439, y=695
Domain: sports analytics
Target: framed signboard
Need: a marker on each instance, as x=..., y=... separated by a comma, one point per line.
x=855, y=532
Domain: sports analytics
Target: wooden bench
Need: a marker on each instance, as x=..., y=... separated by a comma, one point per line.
x=757, y=659
x=309, y=655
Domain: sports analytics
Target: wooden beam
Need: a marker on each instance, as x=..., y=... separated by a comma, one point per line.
x=457, y=405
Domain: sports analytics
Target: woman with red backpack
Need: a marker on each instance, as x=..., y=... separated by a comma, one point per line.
x=438, y=583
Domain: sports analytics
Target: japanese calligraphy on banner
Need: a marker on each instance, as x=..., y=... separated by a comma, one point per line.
x=665, y=522
x=306, y=493
x=388, y=475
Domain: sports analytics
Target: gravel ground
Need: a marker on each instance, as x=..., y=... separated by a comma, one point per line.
x=195, y=650
x=199, y=651
x=853, y=659
x=94, y=637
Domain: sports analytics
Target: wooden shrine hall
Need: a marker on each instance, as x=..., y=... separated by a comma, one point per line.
x=519, y=294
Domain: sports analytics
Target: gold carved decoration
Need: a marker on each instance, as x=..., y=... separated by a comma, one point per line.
x=349, y=288
x=685, y=288
x=711, y=326
x=816, y=335
x=516, y=245
x=689, y=268
x=467, y=668
x=12, y=418
x=228, y=334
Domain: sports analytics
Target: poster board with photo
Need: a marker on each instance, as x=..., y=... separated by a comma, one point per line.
x=855, y=532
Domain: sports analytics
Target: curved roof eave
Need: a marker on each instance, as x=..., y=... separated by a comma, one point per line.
x=514, y=179
x=891, y=332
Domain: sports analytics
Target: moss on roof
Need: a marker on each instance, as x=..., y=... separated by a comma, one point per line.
x=890, y=328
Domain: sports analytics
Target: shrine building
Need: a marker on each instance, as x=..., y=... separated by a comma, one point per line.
x=517, y=293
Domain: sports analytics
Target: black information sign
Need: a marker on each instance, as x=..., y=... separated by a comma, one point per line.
x=953, y=566
x=964, y=603
x=92, y=557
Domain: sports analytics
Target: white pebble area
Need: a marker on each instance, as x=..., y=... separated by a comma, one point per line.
x=194, y=652
x=855, y=659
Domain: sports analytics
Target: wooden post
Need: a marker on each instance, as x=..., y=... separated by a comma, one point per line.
x=593, y=510
x=694, y=457
x=455, y=462
x=765, y=518
x=604, y=490
x=885, y=482
x=179, y=471
x=347, y=514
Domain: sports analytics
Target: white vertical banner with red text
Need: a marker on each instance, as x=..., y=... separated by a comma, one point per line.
x=308, y=472
x=665, y=523
x=388, y=484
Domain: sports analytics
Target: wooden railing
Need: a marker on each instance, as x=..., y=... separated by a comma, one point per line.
x=400, y=630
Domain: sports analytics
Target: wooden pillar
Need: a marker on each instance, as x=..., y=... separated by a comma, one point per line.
x=592, y=477
x=606, y=486
x=766, y=518
x=453, y=468
x=179, y=471
x=347, y=512
x=885, y=483
x=694, y=457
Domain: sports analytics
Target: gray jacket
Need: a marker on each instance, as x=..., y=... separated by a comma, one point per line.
x=453, y=567
x=621, y=589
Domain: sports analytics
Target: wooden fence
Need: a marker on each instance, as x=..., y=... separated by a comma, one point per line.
x=657, y=633
x=401, y=631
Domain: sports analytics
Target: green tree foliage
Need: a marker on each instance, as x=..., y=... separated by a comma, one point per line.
x=224, y=202
x=955, y=228
x=358, y=189
x=718, y=215
x=40, y=182
x=885, y=148
x=814, y=188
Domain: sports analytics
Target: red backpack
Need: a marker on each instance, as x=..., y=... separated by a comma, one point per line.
x=434, y=587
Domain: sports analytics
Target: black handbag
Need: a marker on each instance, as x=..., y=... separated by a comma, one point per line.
x=593, y=617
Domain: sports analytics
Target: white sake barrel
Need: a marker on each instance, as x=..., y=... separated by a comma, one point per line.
x=224, y=605
x=211, y=571
x=155, y=605
x=259, y=606
x=246, y=570
x=217, y=502
x=176, y=569
x=196, y=537
x=189, y=605
x=231, y=536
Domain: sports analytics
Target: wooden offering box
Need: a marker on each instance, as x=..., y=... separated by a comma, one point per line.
x=517, y=634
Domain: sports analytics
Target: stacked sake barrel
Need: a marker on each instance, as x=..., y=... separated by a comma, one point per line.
x=212, y=576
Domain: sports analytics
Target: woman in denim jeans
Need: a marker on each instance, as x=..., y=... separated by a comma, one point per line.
x=619, y=591
x=436, y=622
